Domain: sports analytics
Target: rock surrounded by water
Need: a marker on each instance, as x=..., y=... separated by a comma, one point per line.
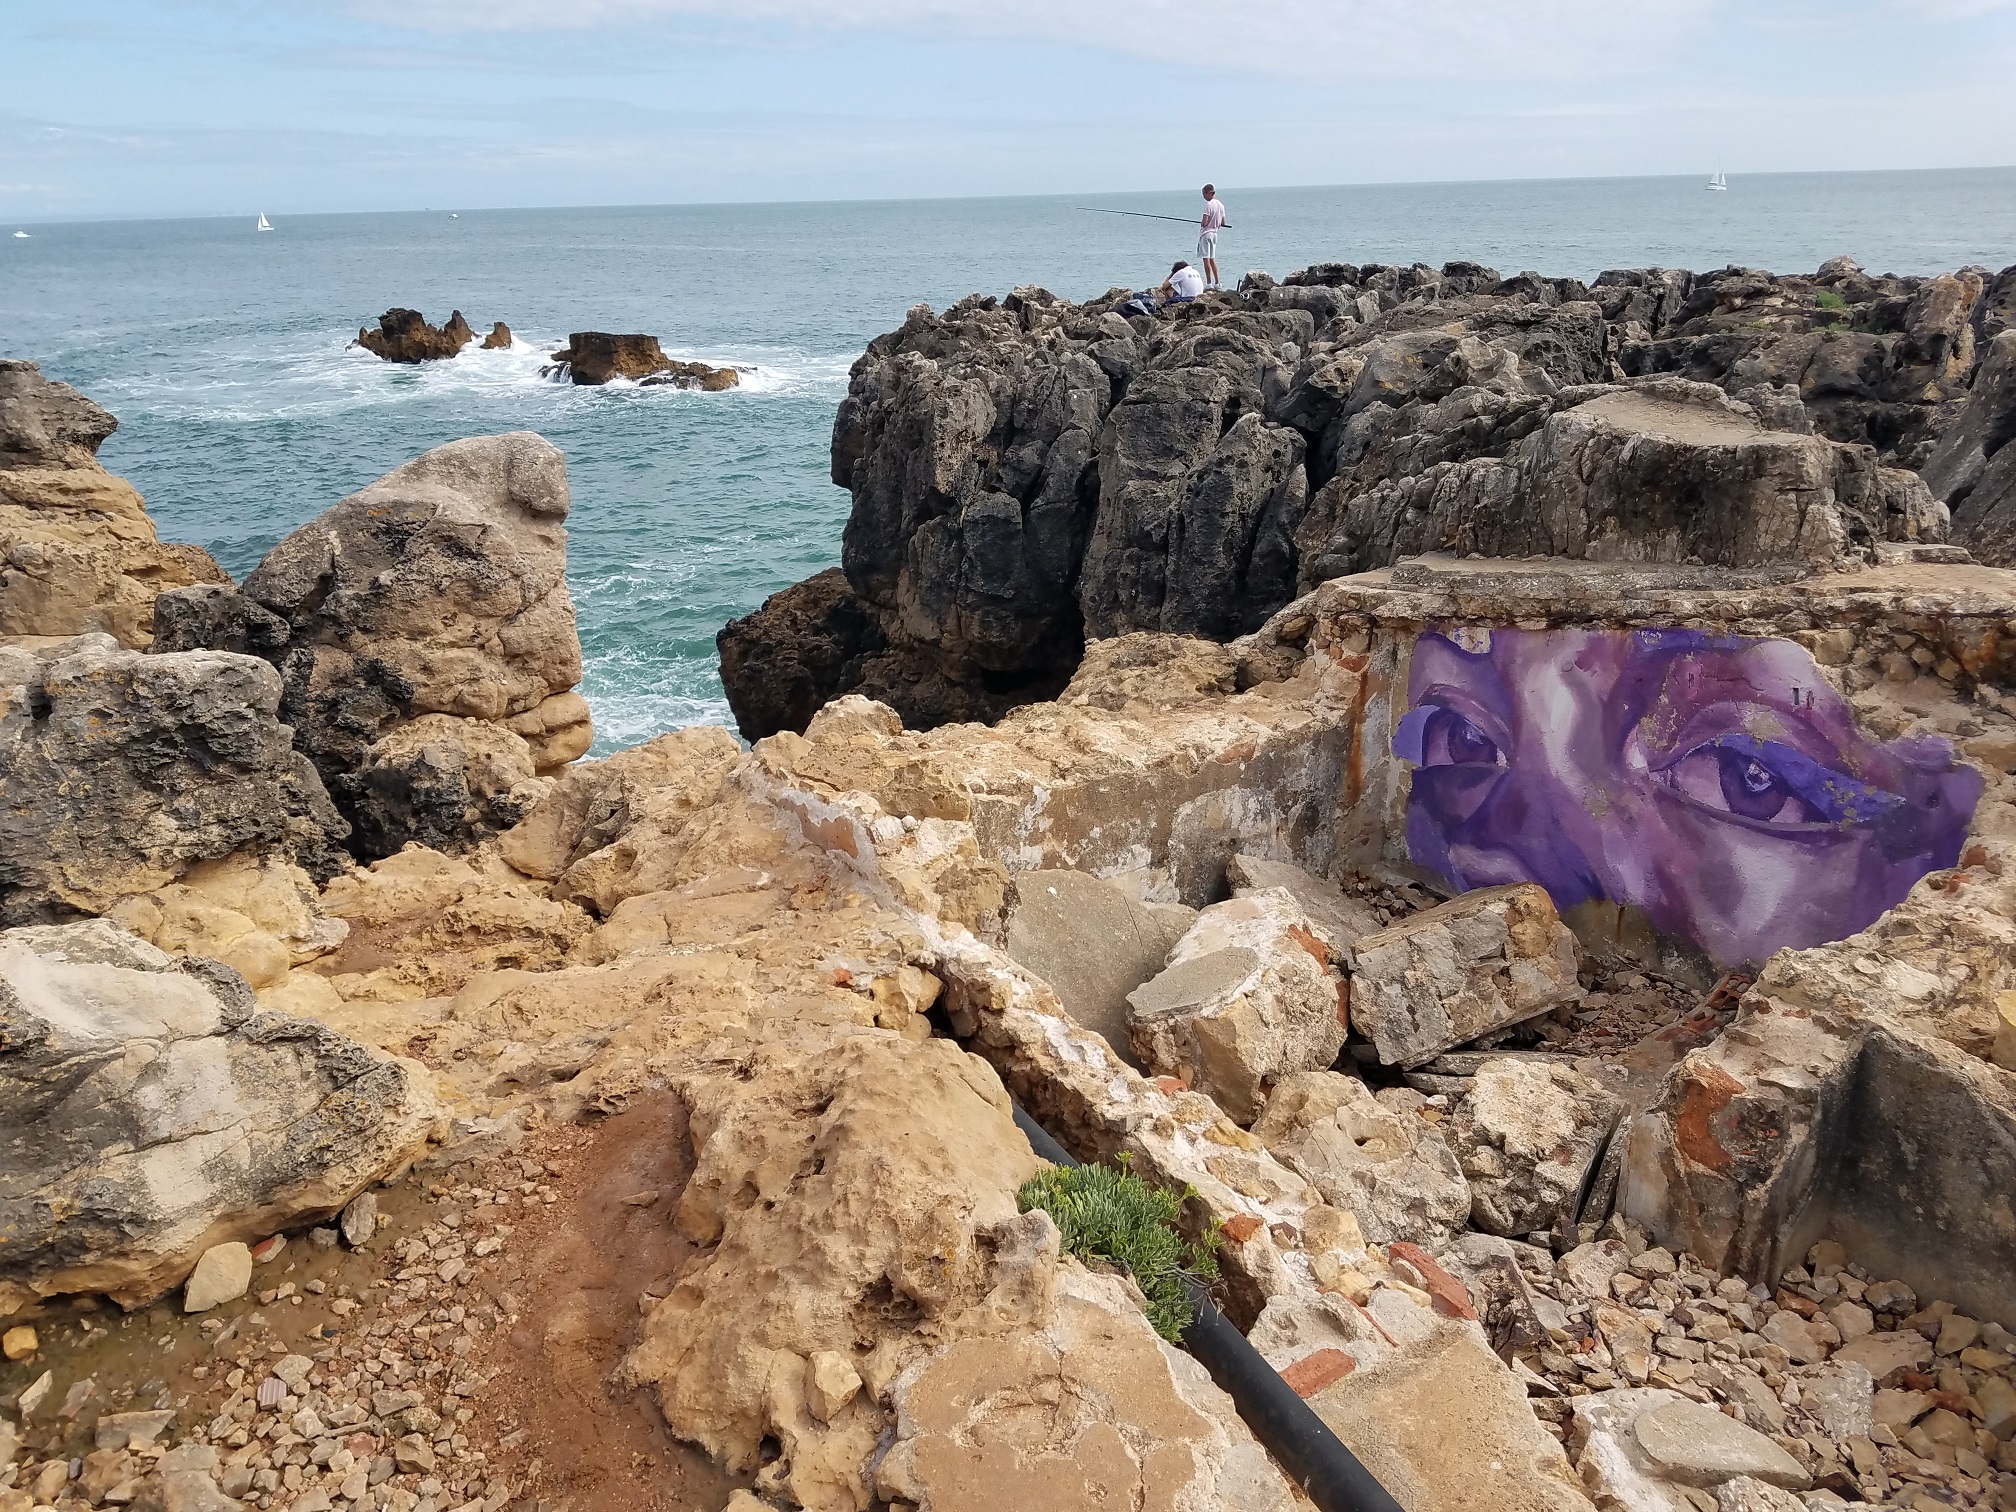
x=1028, y=472
x=405, y=336
x=596, y=357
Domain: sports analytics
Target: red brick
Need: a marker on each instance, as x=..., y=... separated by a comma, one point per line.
x=1241, y=1228
x=1311, y=1374
x=1452, y=1298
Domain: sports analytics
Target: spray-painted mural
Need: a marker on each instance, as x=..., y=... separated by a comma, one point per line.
x=1717, y=783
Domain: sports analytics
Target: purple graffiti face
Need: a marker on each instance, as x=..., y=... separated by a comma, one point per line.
x=1717, y=783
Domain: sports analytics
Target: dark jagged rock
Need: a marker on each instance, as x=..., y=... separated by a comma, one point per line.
x=1974, y=469
x=796, y=653
x=498, y=339
x=405, y=336
x=595, y=357
x=1027, y=473
x=119, y=770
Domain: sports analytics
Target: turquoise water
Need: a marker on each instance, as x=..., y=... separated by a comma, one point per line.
x=243, y=412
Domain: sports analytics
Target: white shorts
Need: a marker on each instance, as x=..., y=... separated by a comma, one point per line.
x=1207, y=245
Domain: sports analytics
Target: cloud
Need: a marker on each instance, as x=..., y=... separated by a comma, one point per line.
x=1340, y=40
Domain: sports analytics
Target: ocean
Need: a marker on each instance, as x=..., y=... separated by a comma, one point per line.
x=244, y=410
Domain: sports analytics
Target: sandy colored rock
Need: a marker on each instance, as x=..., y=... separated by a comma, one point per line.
x=1392, y=1171
x=259, y=917
x=78, y=553
x=1693, y=1444
x=1093, y=943
x=1248, y=996
x=185, y=1118
x=223, y=1274
x=1122, y=1419
x=850, y=1251
x=1440, y=978
x=1526, y=1137
x=1339, y=921
x=120, y=771
x=420, y=924
x=593, y=803
x=19, y=1343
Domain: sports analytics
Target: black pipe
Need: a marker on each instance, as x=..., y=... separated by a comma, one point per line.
x=1301, y=1442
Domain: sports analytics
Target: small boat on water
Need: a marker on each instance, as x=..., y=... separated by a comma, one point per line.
x=1719, y=184
x=453, y=216
x=20, y=236
x=264, y=224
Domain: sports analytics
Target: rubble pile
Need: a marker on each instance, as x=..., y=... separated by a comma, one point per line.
x=1868, y=1393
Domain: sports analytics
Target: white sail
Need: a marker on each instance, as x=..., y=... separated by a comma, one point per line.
x=264, y=224
x=1717, y=182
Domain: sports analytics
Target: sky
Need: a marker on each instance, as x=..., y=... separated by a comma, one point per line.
x=196, y=107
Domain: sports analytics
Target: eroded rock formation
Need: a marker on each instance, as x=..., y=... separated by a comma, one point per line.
x=120, y=770
x=1028, y=473
x=149, y=1111
x=595, y=357
x=425, y=640
x=405, y=336
x=77, y=551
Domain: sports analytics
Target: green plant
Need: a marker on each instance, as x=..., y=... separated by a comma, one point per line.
x=1116, y=1218
x=1827, y=299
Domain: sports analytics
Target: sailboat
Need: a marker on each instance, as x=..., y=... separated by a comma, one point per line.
x=1719, y=183
x=264, y=224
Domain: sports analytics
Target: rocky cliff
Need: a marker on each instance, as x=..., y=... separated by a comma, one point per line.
x=1028, y=473
x=77, y=550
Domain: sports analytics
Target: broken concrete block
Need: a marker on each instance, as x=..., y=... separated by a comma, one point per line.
x=1526, y=1137
x=1339, y=919
x=1643, y=1448
x=1093, y=943
x=1248, y=996
x=1391, y=1169
x=1484, y=961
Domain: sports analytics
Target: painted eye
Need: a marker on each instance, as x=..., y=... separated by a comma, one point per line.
x=1753, y=790
x=1769, y=783
x=1449, y=739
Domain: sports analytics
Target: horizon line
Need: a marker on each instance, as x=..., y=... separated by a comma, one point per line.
x=925, y=199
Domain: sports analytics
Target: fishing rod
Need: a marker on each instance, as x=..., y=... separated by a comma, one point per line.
x=1182, y=220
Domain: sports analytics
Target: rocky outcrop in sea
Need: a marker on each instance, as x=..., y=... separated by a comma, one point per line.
x=1028, y=474
x=405, y=336
x=596, y=357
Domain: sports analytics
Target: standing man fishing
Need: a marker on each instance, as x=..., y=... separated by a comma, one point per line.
x=1207, y=237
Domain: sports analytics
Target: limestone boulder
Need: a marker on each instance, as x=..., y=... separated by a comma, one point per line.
x=1248, y=996
x=150, y=1111
x=594, y=803
x=1440, y=978
x=78, y=553
x=1093, y=943
x=405, y=336
x=120, y=771
x=1647, y=1447
x=441, y=781
x=1527, y=1136
x=260, y=917
x=1388, y=1166
x=1129, y=1420
x=856, y=1195
x=1339, y=921
x=440, y=589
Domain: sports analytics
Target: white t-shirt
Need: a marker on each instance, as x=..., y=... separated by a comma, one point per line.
x=1214, y=215
x=1186, y=283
